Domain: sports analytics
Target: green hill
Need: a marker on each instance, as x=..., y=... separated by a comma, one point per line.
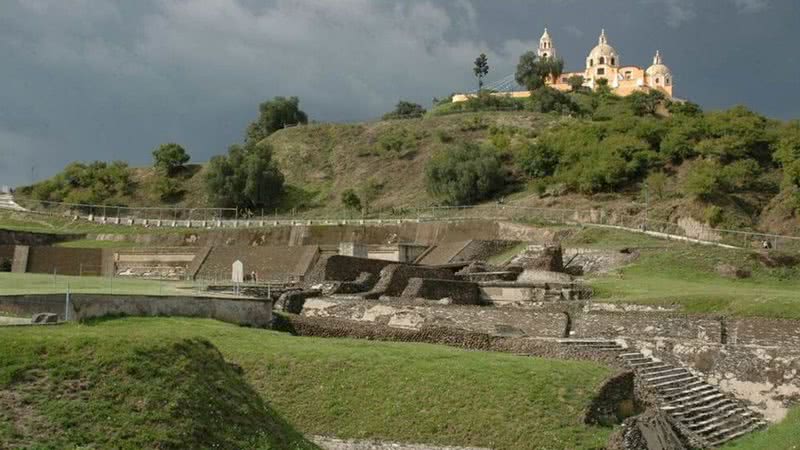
x=732, y=168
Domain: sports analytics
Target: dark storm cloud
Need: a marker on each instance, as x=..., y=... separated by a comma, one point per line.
x=92, y=79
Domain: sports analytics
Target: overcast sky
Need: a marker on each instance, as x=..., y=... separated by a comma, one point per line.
x=101, y=79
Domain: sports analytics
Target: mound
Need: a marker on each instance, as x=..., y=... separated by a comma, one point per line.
x=175, y=394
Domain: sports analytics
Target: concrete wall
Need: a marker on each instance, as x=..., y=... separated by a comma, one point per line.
x=255, y=313
x=65, y=261
x=269, y=263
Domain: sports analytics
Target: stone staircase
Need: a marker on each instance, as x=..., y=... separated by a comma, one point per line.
x=603, y=345
x=7, y=202
x=711, y=416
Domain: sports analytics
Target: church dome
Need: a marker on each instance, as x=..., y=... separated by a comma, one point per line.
x=658, y=68
x=603, y=53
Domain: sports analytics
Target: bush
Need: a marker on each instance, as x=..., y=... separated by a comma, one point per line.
x=741, y=175
x=713, y=215
x=464, y=175
x=656, y=184
x=94, y=183
x=398, y=141
x=405, y=110
x=538, y=160
x=350, y=200
x=167, y=189
x=247, y=177
x=274, y=115
x=546, y=100
x=703, y=180
x=170, y=158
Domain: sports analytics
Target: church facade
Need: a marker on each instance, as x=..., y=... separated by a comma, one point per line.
x=604, y=62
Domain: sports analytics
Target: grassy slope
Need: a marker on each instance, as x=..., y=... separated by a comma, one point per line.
x=352, y=389
x=783, y=436
x=168, y=393
x=322, y=160
x=31, y=283
x=669, y=273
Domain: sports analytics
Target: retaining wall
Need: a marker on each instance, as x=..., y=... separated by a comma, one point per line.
x=248, y=312
x=12, y=237
x=67, y=261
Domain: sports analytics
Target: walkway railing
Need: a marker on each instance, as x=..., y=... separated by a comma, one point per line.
x=234, y=218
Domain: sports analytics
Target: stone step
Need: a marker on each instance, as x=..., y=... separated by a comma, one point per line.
x=587, y=341
x=639, y=361
x=675, y=381
x=694, y=403
x=755, y=426
x=706, y=390
x=675, y=373
x=733, y=429
x=670, y=391
x=690, y=415
x=715, y=419
x=631, y=355
x=701, y=387
x=725, y=420
x=653, y=368
x=688, y=420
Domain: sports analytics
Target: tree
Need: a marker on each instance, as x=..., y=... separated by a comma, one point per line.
x=170, y=158
x=247, y=177
x=538, y=160
x=533, y=72
x=602, y=88
x=481, y=69
x=350, y=200
x=275, y=114
x=405, y=110
x=703, y=180
x=464, y=174
x=575, y=82
x=646, y=103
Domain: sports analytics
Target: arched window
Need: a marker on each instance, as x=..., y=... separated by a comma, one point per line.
x=613, y=61
x=601, y=71
x=602, y=60
x=591, y=63
x=666, y=81
x=658, y=80
x=544, y=55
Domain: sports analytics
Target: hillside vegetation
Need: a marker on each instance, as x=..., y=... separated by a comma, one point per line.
x=732, y=168
x=162, y=383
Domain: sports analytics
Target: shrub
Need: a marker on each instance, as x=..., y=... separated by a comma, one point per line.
x=546, y=100
x=741, y=175
x=538, y=160
x=713, y=215
x=405, y=110
x=275, y=114
x=703, y=180
x=656, y=184
x=247, y=177
x=170, y=158
x=167, y=189
x=96, y=182
x=350, y=200
x=464, y=174
x=399, y=141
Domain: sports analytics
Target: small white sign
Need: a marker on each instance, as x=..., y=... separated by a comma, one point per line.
x=237, y=272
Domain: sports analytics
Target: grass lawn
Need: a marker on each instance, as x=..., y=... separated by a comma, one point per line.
x=414, y=393
x=685, y=275
x=32, y=283
x=783, y=436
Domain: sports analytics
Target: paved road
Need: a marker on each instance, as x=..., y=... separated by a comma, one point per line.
x=7, y=202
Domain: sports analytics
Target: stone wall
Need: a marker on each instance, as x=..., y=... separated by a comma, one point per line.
x=644, y=325
x=12, y=237
x=394, y=278
x=345, y=268
x=248, y=312
x=404, y=313
x=459, y=292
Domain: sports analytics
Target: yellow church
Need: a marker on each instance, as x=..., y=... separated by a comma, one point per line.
x=603, y=62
